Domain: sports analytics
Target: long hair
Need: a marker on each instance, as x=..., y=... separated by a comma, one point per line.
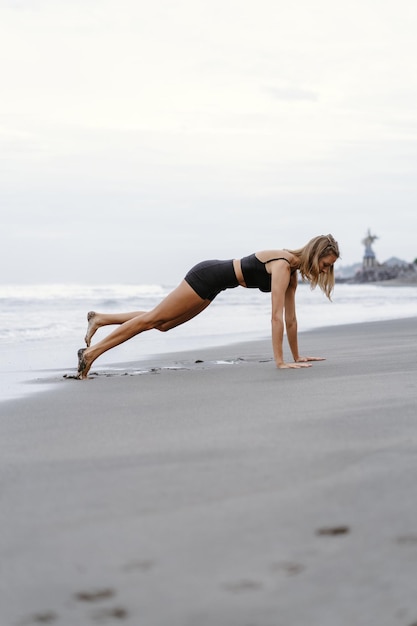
x=309, y=257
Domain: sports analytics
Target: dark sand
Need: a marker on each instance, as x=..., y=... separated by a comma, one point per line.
x=218, y=494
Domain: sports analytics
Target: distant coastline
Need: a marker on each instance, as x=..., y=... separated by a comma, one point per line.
x=392, y=272
x=401, y=274
x=400, y=281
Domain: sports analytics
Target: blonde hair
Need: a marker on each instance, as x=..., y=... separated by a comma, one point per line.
x=309, y=257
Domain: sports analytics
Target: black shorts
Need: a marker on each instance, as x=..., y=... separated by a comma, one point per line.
x=209, y=278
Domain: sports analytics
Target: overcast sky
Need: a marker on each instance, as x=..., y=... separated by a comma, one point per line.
x=140, y=137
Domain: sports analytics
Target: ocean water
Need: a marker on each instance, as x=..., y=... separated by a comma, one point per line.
x=42, y=326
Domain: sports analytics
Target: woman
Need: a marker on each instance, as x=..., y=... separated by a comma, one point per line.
x=272, y=271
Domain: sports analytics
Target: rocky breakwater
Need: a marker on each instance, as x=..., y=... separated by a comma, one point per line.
x=404, y=274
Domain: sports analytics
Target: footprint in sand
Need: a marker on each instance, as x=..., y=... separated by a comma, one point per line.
x=242, y=586
x=117, y=612
x=100, y=595
x=140, y=565
x=41, y=618
x=332, y=531
x=407, y=540
x=291, y=569
x=95, y=596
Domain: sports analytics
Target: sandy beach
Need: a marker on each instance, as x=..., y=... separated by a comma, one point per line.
x=210, y=489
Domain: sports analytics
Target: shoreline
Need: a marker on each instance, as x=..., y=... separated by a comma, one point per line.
x=223, y=493
x=43, y=339
x=32, y=383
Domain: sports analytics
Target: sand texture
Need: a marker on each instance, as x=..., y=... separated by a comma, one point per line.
x=218, y=494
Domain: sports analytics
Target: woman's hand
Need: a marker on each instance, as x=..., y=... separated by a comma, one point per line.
x=304, y=359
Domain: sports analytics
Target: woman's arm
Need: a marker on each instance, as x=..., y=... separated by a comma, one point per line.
x=283, y=287
x=291, y=323
x=291, y=317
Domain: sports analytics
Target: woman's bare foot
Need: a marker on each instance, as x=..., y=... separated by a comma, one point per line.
x=92, y=327
x=83, y=364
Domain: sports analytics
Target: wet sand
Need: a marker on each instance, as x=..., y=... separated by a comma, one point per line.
x=210, y=489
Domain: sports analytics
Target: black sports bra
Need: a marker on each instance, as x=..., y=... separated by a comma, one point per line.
x=255, y=274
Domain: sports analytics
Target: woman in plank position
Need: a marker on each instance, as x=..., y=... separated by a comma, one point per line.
x=274, y=271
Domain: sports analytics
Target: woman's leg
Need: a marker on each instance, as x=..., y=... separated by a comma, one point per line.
x=97, y=320
x=178, y=307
